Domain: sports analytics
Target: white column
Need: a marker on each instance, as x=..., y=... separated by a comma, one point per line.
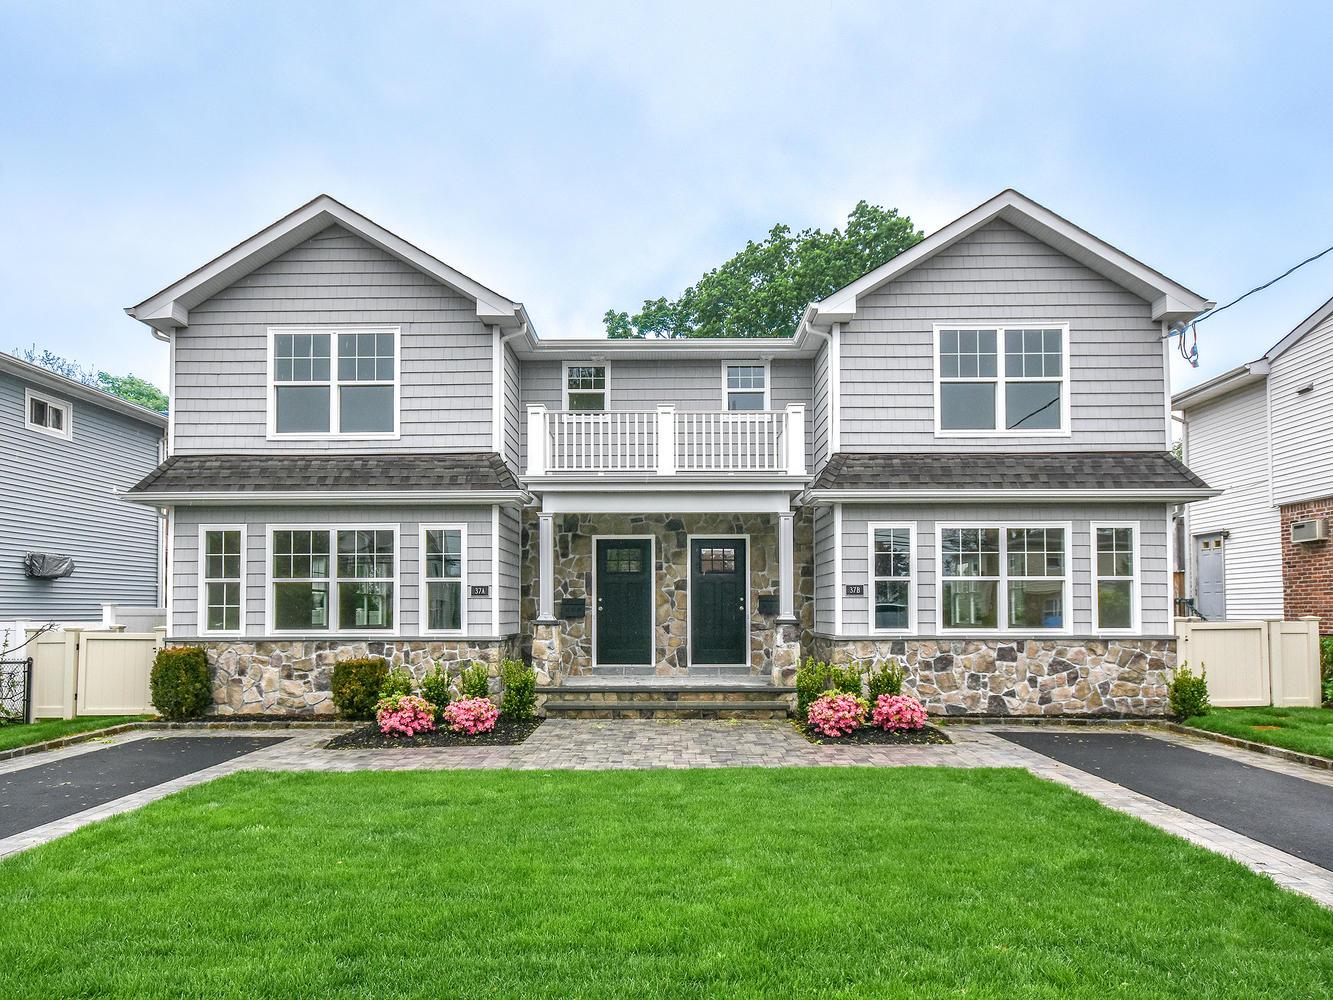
x=536, y=439
x=786, y=569
x=546, y=570
x=666, y=439
x=796, y=439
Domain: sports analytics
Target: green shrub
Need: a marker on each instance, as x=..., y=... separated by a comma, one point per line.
x=1189, y=694
x=1326, y=668
x=181, y=684
x=397, y=684
x=357, y=685
x=474, y=683
x=435, y=689
x=846, y=679
x=811, y=679
x=888, y=679
x=520, y=691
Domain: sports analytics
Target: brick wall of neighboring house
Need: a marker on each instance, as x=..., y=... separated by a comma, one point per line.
x=1307, y=567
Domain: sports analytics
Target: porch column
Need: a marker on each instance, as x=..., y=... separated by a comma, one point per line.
x=786, y=568
x=546, y=568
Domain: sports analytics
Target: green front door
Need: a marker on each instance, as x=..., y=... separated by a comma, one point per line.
x=719, y=632
x=624, y=601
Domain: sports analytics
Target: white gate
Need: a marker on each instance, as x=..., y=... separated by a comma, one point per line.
x=80, y=672
x=1269, y=662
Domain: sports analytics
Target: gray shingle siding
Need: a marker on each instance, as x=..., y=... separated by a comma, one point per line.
x=1117, y=383
x=60, y=496
x=334, y=278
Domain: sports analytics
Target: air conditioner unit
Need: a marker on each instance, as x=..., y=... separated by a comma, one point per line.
x=1309, y=531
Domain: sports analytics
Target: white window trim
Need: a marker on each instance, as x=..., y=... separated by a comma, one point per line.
x=768, y=383
x=999, y=327
x=1002, y=596
x=564, y=385
x=873, y=579
x=1135, y=586
x=333, y=628
x=204, y=579
x=63, y=405
x=423, y=606
x=272, y=433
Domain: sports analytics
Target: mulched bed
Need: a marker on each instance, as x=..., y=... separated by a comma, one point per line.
x=873, y=736
x=369, y=737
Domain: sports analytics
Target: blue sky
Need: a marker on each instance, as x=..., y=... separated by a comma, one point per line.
x=580, y=156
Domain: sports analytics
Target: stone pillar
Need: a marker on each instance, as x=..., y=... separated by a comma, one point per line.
x=546, y=567
x=786, y=570
x=546, y=652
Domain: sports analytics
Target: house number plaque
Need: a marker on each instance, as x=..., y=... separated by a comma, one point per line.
x=855, y=590
x=480, y=590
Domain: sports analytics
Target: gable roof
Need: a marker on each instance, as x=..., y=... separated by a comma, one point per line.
x=170, y=308
x=77, y=390
x=1171, y=302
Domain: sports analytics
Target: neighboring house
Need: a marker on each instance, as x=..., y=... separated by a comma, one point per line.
x=1263, y=433
x=67, y=453
x=960, y=460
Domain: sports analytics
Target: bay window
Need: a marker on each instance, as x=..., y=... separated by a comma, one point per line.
x=1114, y=566
x=998, y=578
x=318, y=570
x=333, y=383
x=1001, y=380
x=442, y=572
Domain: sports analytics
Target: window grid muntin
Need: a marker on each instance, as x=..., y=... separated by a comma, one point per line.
x=303, y=359
x=1115, y=566
x=952, y=346
x=442, y=575
x=585, y=388
x=891, y=575
x=316, y=552
x=222, y=574
x=969, y=548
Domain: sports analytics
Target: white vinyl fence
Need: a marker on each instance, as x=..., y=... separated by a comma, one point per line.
x=91, y=671
x=1261, y=662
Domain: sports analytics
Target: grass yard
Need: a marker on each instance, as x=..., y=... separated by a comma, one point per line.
x=808, y=882
x=1308, y=730
x=21, y=735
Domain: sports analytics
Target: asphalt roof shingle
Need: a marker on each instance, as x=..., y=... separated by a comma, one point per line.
x=936, y=471
x=259, y=474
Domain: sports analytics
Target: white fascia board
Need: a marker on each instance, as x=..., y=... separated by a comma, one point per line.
x=630, y=484
x=1175, y=301
x=170, y=307
x=1305, y=326
x=326, y=497
x=1221, y=385
x=697, y=501
x=800, y=345
x=823, y=497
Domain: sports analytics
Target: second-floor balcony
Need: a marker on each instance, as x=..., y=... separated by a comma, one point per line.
x=666, y=441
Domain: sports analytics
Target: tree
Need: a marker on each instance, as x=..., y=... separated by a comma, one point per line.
x=762, y=290
x=128, y=387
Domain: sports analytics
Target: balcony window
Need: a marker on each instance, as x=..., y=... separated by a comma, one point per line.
x=746, y=386
x=585, y=388
x=312, y=396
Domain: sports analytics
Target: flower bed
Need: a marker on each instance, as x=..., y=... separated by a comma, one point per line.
x=841, y=717
x=505, y=733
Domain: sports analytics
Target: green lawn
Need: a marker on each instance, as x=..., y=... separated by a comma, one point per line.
x=12, y=736
x=1309, y=730
x=921, y=883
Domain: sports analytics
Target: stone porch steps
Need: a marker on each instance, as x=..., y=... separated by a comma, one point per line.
x=670, y=698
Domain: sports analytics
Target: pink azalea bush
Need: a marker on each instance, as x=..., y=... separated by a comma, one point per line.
x=405, y=715
x=837, y=713
x=898, y=713
x=471, y=715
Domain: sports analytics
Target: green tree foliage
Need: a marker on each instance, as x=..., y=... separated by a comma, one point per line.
x=127, y=387
x=761, y=291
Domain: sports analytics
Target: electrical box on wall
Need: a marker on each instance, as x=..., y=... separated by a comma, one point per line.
x=1309, y=531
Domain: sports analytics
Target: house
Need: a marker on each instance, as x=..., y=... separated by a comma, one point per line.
x=69, y=541
x=1263, y=432
x=960, y=461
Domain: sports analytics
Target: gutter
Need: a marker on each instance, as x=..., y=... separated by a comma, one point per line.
x=820, y=497
x=276, y=498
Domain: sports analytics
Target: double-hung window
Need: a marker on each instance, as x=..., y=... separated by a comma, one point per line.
x=891, y=566
x=334, y=579
x=47, y=415
x=333, y=383
x=222, y=580
x=746, y=386
x=442, y=573
x=585, y=387
x=1002, y=380
x=998, y=578
x=1115, y=562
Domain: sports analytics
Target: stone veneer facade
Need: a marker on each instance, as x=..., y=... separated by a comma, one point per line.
x=565, y=648
x=294, y=677
x=1005, y=676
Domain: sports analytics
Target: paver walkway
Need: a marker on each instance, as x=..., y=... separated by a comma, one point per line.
x=634, y=744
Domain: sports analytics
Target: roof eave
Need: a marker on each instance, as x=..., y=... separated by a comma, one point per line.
x=1228, y=382
x=281, y=498
x=820, y=497
x=60, y=384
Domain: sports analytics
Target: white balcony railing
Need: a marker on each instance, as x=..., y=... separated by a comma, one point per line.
x=666, y=441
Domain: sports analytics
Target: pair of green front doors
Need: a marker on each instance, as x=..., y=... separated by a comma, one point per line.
x=626, y=594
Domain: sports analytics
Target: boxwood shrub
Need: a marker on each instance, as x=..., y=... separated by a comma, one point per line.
x=180, y=682
x=520, y=691
x=357, y=685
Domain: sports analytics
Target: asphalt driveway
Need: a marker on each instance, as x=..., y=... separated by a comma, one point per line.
x=33, y=796
x=1291, y=814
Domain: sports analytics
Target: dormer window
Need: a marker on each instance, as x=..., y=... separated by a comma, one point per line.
x=48, y=415
x=1001, y=380
x=333, y=383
